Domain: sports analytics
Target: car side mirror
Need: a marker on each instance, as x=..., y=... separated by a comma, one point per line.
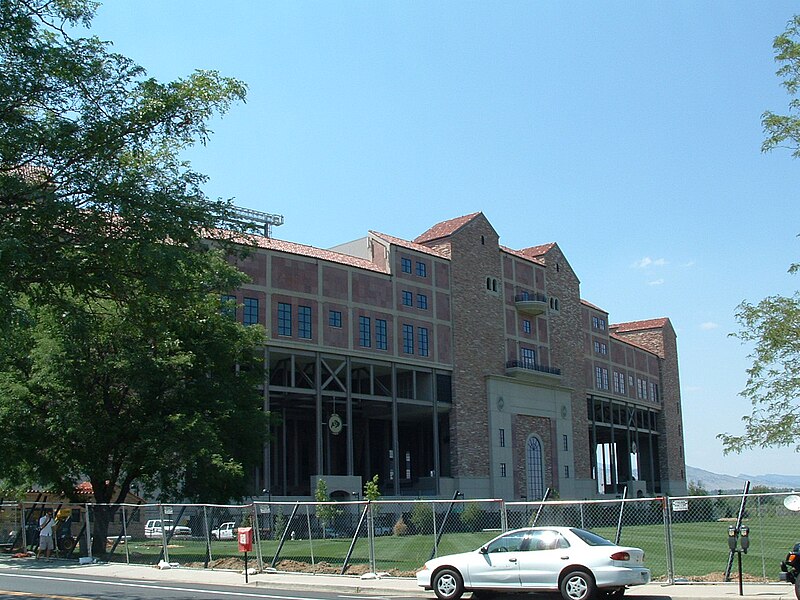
x=484, y=550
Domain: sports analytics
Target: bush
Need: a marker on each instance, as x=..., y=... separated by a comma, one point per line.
x=400, y=528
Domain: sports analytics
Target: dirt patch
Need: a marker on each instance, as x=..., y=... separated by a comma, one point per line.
x=296, y=566
x=720, y=577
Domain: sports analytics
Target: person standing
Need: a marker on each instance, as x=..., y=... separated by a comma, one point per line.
x=46, y=541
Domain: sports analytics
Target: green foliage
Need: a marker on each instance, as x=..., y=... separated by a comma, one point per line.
x=116, y=364
x=422, y=517
x=772, y=326
x=696, y=488
x=326, y=512
x=94, y=195
x=371, y=490
x=784, y=130
x=471, y=516
x=280, y=523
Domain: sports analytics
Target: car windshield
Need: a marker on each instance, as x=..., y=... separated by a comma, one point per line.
x=591, y=539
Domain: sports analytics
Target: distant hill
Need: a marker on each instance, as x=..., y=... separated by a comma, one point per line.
x=714, y=482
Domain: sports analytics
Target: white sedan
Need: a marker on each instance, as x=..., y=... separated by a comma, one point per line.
x=577, y=563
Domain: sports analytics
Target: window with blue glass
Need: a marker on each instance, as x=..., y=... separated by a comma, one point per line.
x=528, y=356
x=250, y=316
x=405, y=264
x=422, y=269
x=408, y=298
x=526, y=326
x=284, y=318
x=335, y=318
x=364, y=332
x=422, y=340
x=381, y=335
x=422, y=301
x=228, y=305
x=408, y=339
x=304, y=322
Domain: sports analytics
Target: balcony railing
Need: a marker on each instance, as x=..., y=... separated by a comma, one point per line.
x=514, y=367
x=532, y=303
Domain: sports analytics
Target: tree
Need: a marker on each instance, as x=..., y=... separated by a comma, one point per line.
x=784, y=130
x=772, y=325
x=90, y=166
x=117, y=364
x=372, y=490
x=118, y=395
x=326, y=512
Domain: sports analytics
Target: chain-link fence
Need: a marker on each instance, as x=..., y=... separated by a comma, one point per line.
x=683, y=538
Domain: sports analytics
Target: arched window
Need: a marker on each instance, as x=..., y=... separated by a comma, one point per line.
x=534, y=468
x=494, y=285
x=488, y=283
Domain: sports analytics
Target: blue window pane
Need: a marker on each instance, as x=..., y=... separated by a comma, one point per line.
x=381, y=336
x=408, y=339
x=250, y=311
x=364, y=332
x=304, y=322
x=284, y=318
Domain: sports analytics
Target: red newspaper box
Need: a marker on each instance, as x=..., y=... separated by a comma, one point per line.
x=245, y=535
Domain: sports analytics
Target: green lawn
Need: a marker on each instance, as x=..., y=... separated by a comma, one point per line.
x=699, y=548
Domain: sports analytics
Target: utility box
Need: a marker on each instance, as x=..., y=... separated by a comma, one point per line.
x=245, y=537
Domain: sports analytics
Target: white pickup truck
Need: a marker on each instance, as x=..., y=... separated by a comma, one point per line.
x=226, y=531
x=152, y=529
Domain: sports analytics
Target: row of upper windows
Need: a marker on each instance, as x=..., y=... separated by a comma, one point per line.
x=645, y=390
x=365, y=330
x=422, y=268
x=408, y=300
x=422, y=346
x=249, y=309
x=598, y=323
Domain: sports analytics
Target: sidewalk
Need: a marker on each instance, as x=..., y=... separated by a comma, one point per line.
x=384, y=586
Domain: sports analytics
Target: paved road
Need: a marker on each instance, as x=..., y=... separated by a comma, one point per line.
x=67, y=580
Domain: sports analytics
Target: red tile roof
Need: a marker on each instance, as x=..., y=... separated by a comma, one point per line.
x=445, y=228
x=639, y=325
x=519, y=253
x=590, y=305
x=537, y=250
x=310, y=251
x=630, y=342
x=406, y=244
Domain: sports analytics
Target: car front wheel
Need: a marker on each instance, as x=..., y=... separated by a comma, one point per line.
x=577, y=585
x=448, y=584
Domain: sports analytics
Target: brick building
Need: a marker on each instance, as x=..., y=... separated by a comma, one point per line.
x=454, y=363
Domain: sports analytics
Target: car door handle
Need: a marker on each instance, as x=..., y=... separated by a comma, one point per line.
x=512, y=560
x=565, y=558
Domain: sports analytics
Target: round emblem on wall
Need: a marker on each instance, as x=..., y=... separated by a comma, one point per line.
x=335, y=424
x=563, y=412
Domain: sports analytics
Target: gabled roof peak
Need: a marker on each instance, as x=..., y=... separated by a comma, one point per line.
x=445, y=228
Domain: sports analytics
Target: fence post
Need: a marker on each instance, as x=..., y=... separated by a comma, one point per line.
x=88, y=532
x=164, y=552
x=125, y=535
x=310, y=537
x=371, y=534
x=668, y=539
x=435, y=537
x=503, y=516
x=257, y=520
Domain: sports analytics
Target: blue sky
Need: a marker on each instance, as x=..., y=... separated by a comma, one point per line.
x=628, y=132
